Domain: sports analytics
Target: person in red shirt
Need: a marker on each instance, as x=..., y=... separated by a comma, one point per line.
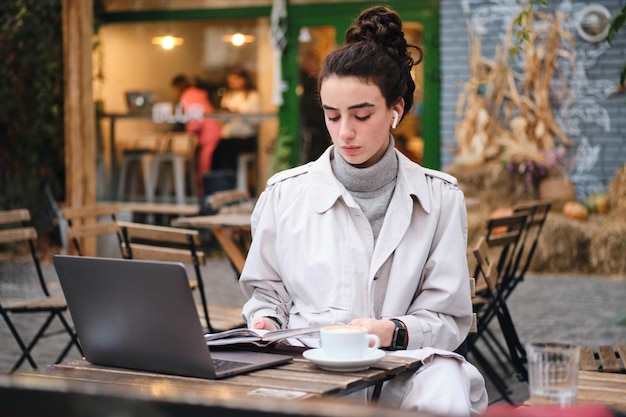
x=208, y=131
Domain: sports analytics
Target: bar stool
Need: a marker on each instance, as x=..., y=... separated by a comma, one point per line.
x=137, y=164
x=177, y=162
x=246, y=172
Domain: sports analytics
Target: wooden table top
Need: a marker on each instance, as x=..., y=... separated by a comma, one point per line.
x=602, y=388
x=298, y=380
x=602, y=376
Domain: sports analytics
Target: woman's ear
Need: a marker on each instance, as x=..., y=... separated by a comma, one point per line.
x=398, y=111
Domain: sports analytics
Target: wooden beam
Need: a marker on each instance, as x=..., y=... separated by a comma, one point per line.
x=80, y=138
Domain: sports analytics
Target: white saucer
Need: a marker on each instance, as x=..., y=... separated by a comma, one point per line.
x=318, y=357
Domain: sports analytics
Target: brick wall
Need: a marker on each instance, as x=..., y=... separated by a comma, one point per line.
x=595, y=122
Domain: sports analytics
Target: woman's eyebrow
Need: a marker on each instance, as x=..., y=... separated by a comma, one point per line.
x=354, y=106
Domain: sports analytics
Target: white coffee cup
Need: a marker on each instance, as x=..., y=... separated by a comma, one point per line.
x=347, y=342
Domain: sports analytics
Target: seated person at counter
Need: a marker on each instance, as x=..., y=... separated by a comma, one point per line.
x=238, y=133
x=208, y=131
x=240, y=97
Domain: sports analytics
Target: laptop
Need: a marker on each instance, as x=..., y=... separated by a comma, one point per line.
x=139, y=102
x=141, y=315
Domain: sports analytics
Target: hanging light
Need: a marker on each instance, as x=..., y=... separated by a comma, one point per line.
x=238, y=39
x=167, y=42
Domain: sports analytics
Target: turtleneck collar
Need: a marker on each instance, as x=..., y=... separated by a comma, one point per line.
x=367, y=179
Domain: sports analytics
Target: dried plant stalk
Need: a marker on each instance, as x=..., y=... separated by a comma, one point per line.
x=506, y=115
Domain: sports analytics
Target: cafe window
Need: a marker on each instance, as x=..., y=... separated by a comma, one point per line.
x=135, y=64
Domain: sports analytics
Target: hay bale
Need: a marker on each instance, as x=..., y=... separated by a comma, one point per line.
x=617, y=188
x=563, y=246
x=492, y=184
x=608, y=243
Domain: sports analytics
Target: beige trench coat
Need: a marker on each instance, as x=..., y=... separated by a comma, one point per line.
x=313, y=260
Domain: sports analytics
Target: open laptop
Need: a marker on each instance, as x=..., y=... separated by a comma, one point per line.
x=139, y=102
x=141, y=315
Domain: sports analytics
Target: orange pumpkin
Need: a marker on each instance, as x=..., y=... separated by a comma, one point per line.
x=575, y=210
x=497, y=213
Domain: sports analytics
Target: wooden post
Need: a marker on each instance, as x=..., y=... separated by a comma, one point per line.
x=80, y=137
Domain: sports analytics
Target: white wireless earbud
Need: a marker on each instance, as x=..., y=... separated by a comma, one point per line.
x=395, y=119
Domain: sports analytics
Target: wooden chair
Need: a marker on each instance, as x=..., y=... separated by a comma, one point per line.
x=15, y=228
x=162, y=243
x=90, y=222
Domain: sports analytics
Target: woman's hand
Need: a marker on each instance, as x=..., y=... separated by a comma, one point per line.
x=263, y=323
x=382, y=328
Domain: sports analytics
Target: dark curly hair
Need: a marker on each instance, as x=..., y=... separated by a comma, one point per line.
x=375, y=50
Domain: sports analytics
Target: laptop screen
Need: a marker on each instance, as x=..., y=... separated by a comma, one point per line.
x=139, y=101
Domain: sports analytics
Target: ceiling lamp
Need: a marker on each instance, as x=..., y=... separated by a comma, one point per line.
x=238, y=39
x=167, y=42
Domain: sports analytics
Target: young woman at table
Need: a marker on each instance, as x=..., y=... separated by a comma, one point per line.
x=364, y=236
x=240, y=97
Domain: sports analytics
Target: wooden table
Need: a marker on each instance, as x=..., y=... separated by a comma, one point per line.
x=602, y=388
x=296, y=382
x=602, y=378
x=231, y=230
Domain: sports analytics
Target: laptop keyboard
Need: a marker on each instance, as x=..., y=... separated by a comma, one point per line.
x=222, y=365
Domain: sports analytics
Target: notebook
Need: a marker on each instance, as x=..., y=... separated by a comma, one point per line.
x=141, y=315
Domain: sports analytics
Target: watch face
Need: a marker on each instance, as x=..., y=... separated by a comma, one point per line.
x=399, y=335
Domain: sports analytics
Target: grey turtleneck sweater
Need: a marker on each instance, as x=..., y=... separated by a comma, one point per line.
x=371, y=187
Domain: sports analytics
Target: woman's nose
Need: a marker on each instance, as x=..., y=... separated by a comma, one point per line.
x=346, y=130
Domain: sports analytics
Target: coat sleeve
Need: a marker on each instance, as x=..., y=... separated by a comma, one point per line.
x=261, y=280
x=441, y=313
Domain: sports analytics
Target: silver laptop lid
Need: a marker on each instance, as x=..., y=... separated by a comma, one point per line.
x=135, y=314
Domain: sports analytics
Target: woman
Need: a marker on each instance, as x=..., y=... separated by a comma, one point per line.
x=365, y=236
x=240, y=97
x=208, y=131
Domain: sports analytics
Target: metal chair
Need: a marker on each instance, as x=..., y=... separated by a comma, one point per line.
x=15, y=228
x=501, y=242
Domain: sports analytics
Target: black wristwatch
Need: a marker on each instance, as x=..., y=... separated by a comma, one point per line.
x=400, y=338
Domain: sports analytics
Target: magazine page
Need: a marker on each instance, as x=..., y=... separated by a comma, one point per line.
x=257, y=337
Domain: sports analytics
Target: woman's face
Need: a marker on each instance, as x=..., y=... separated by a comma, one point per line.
x=235, y=82
x=357, y=118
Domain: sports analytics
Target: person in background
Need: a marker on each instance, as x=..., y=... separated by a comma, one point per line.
x=240, y=97
x=208, y=131
x=365, y=236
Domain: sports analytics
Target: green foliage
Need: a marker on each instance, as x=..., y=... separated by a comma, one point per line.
x=32, y=110
x=522, y=32
x=281, y=154
x=617, y=21
x=31, y=93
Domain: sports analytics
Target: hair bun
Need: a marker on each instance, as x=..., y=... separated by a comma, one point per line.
x=379, y=25
x=383, y=27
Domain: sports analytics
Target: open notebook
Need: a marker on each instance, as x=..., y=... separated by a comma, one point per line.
x=141, y=315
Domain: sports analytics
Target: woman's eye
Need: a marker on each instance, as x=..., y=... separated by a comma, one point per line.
x=362, y=118
x=333, y=118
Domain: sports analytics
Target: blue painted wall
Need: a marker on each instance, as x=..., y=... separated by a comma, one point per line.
x=595, y=122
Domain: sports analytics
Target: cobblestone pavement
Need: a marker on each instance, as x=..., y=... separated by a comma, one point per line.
x=581, y=309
